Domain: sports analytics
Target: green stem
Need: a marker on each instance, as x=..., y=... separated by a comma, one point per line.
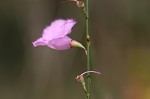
x=88, y=49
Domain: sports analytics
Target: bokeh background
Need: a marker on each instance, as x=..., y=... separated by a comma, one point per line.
x=120, y=50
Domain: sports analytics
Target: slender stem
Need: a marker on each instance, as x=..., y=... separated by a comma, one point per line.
x=88, y=49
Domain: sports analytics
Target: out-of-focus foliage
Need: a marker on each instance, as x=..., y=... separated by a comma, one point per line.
x=120, y=34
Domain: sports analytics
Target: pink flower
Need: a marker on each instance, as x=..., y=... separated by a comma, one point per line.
x=55, y=35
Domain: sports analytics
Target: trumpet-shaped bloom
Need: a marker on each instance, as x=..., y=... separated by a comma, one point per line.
x=55, y=35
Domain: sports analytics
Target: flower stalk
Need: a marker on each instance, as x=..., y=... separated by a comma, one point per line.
x=88, y=48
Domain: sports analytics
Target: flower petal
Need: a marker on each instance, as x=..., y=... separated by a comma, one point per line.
x=39, y=42
x=58, y=28
x=60, y=43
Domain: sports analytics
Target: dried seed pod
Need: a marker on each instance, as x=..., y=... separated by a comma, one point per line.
x=80, y=79
x=79, y=3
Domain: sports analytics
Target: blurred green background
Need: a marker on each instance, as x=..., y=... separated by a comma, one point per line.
x=120, y=50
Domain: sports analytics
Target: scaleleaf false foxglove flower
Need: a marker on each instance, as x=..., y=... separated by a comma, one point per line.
x=55, y=35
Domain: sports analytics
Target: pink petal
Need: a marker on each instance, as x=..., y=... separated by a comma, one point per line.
x=60, y=43
x=58, y=28
x=39, y=42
